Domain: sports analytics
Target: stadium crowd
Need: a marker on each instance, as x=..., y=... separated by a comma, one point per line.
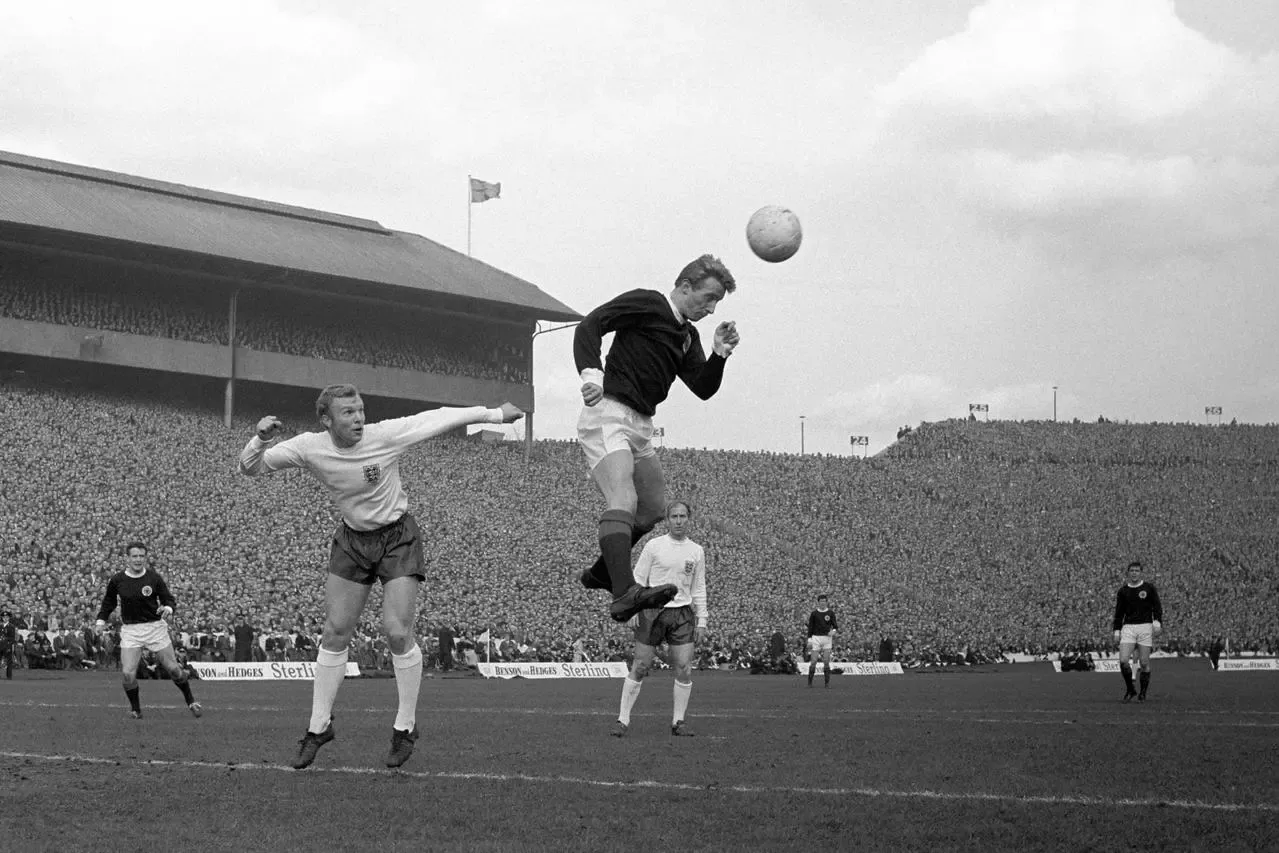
x=964, y=542
x=134, y=302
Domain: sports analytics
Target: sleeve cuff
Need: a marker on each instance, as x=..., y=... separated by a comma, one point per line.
x=494, y=416
x=593, y=376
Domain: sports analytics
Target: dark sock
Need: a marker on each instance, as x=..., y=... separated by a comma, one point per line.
x=599, y=569
x=1125, y=669
x=826, y=675
x=132, y=693
x=185, y=687
x=1145, y=680
x=616, y=526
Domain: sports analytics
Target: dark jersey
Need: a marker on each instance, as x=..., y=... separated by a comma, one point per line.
x=821, y=623
x=1137, y=605
x=140, y=598
x=650, y=350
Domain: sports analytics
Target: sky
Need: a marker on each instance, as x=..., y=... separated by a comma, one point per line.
x=999, y=199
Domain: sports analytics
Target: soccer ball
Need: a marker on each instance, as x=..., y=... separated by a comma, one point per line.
x=774, y=234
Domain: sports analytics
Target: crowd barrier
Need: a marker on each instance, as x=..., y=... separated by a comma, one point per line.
x=847, y=668
x=1248, y=664
x=265, y=671
x=603, y=669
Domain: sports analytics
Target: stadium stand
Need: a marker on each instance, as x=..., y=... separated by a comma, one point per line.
x=964, y=541
x=126, y=404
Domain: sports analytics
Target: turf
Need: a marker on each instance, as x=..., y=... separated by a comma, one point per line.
x=999, y=758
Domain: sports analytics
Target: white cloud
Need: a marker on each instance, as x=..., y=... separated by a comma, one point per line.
x=1092, y=60
x=1108, y=132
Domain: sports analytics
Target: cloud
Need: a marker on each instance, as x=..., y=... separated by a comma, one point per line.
x=1103, y=131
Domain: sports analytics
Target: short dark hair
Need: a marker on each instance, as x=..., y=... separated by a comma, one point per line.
x=1135, y=564
x=707, y=266
x=136, y=544
x=331, y=393
x=821, y=596
x=670, y=505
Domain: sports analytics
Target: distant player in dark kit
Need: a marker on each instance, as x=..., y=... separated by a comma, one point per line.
x=654, y=343
x=8, y=639
x=145, y=602
x=681, y=623
x=377, y=539
x=821, y=639
x=1138, y=617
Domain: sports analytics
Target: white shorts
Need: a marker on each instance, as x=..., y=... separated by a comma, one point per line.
x=819, y=643
x=1139, y=635
x=609, y=426
x=151, y=636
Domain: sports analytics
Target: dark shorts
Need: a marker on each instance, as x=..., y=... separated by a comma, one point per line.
x=393, y=551
x=674, y=626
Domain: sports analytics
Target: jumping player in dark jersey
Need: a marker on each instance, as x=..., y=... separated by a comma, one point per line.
x=822, y=628
x=1138, y=615
x=654, y=343
x=145, y=602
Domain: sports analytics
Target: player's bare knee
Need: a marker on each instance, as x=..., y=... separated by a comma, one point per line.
x=333, y=641
x=130, y=680
x=639, y=671
x=683, y=673
x=400, y=641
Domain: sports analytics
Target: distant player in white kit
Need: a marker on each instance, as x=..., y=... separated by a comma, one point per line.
x=681, y=623
x=377, y=539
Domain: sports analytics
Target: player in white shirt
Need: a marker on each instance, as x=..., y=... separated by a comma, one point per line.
x=377, y=539
x=672, y=558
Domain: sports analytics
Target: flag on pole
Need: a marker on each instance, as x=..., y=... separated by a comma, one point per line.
x=483, y=190
x=483, y=638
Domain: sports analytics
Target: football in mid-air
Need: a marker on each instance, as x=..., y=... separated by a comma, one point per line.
x=774, y=234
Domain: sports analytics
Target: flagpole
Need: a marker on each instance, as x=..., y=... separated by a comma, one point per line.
x=469, y=200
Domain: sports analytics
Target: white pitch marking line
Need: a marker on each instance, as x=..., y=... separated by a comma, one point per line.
x=648, y=784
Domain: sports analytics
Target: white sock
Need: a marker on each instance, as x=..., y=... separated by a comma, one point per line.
x=630, y=692
x=330, y=669
x=408, y=681
x=682, y=691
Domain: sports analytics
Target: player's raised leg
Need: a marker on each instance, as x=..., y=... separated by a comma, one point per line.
x=130, y=658
x=169, y=660
x=650, y=502
x=614, y=474
x=399, y=613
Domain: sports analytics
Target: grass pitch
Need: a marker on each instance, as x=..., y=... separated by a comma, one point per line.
x=998, y=758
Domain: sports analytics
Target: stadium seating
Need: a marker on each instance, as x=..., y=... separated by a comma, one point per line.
x=963, y=541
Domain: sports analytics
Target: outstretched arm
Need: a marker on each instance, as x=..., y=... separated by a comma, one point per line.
x=424, y=425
